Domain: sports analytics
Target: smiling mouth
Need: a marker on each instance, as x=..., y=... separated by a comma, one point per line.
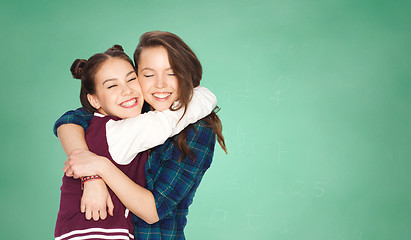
x=129, y=103
x=162, y=96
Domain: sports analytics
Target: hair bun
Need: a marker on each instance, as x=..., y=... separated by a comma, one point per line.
x=118, y=47
x=115, y=48
x=77, y=68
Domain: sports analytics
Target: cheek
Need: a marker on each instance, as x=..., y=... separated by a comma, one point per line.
x=173, y=83
x=101, y=97
x=110, y=99
x=137, y=88
x=176, y=87
x=145, y=92
x=145, y=87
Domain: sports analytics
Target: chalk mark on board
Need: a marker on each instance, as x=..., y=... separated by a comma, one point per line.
x=252, y=216
x=252, y=182
x=218, y=218
x=340, y=233
x=233, y=184
x=319, y=189
x=298, y=190
x=281, y=85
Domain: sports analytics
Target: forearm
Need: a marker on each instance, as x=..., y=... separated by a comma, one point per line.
x=71, y=137
x=137, y=199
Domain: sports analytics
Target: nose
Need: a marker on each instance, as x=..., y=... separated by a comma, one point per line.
x=160, y=82
x=127, y=90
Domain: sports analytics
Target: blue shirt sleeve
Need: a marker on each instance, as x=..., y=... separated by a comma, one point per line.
x=79, y=116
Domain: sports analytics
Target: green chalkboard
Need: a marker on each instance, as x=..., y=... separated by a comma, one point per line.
x=315, y=103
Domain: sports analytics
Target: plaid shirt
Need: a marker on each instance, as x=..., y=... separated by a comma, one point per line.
x=173, y=183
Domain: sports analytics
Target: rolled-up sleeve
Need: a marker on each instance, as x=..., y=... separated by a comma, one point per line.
x=79, y=116
x=177, y=178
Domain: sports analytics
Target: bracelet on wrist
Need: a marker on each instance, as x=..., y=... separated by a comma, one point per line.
x=88, y=178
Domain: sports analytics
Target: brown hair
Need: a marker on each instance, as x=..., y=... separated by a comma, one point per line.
x=188, y=70
x=87, y=69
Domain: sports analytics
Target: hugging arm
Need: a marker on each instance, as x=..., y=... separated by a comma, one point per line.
x=173, y=184
x=137, y=199
x=142, y=127
x=69, y=129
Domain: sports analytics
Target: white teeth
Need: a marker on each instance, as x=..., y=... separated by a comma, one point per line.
x=129, y=103
x=161, y=95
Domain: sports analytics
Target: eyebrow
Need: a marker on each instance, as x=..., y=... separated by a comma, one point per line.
x=113, y=79
x=147, y=68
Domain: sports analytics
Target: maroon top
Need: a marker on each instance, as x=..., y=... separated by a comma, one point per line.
x=70, y=218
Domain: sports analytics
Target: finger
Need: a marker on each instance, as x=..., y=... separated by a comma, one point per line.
x=110, y=206
x=69, y=173
x=103, y=214
x=88, y=214
x=74, y=175
x=82, y=207
x=66, y=166
x=96, y=215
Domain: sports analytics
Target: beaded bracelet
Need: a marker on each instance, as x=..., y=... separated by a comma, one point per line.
x=88, y=178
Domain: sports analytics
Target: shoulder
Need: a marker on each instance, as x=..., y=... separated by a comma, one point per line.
x=99, y=119
x=200, y=132
x=98, y=122
x=201, y=140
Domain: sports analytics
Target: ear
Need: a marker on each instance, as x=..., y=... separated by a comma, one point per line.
x=93, y=101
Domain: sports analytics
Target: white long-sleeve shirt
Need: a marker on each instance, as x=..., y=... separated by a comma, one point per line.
x=127, y=137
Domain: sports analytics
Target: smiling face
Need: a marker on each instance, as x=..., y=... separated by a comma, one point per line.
x=157, y=80
x=118, y=92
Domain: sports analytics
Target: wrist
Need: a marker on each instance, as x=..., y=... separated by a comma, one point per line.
x=94, y=182
x=88, y=179
x=102, y=166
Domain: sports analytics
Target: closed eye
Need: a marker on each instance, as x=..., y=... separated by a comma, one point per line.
x=132, y=79
x=111, y=86
x=148, y=75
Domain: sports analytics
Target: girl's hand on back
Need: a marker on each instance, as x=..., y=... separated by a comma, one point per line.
x=96, y=200
x=82, y=163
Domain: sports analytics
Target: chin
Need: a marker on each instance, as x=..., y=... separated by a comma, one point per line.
x=161, y=107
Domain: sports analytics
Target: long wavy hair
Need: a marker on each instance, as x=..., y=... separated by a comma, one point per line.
x=188, y=70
